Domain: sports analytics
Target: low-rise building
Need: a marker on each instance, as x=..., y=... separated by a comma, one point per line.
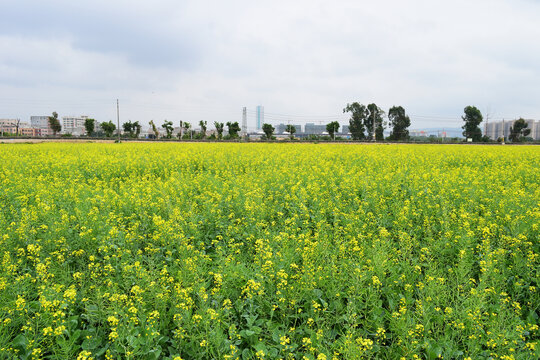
x=42, y=124
x=15, y=126
x=9, y=126
x=74, y=125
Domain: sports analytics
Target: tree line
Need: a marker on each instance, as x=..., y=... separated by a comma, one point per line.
x=366, y=122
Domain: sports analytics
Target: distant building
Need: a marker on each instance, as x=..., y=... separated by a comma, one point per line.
x=498, y=129
x=41, y=123
x=281, y=128
x=74, y=125
x=422, y=133
x=27, y=130
x=259, y=119
x=312, y=129
x=12, y=126
x=5, y=123
x=9, y=126
x=344, y=129
x=535, y=131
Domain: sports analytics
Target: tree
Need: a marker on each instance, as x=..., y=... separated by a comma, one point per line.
x=203, y=125
x=268, y=131
x=186, y=126
x=219, y=129
x=332, y=128
x=137, y=128
x=291, y=129
x=54, y=123
x=89, y=125
x=108, y=128
x=472, y=118
x=17, y=124
x=399, y=122
x=233, y=129
x=358, y=118
x=154, y=129
x=374, y=122
x=168, y=126
x=129, y=128
x=519, y=130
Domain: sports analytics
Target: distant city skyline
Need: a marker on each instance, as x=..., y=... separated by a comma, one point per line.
x=303, y=61
x=427, y=124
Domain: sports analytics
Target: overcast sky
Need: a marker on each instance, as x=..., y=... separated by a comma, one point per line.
x=303, y=60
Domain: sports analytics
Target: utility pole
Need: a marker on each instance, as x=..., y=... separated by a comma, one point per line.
x=374, y=138
x=487, y=125
x=244, y=123
x=118, y=118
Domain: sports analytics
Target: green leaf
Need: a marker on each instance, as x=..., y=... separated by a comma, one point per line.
x=90, y=344
x=260, y=346
x=20, y=341
x=75, y=336
x=246, y=354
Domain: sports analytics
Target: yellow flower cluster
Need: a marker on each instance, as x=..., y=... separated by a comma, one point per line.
x=274, y=251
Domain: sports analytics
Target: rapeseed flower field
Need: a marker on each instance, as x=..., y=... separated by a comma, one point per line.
x=269, y=251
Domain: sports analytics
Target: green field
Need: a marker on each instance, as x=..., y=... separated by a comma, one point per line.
x=291, y=251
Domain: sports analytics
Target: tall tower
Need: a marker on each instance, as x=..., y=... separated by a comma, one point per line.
x=260, y=117
x=244, y=122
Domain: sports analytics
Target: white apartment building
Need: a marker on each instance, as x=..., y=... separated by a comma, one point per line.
x=74, y=125
x=498, y=129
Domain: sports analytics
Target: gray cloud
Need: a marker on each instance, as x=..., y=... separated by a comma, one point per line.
x=206, y=59
x=140, y=34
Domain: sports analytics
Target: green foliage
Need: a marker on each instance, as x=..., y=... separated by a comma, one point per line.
x=233, y=129
x=186, y=133
x=473, y=118
x=359, y=113
x=108, y=128
x=225, y=251
x=365, y=118
x=203, y=125
x=332, y=128
x=168, y=126
x=375, y=121
x=519, y=130
x=268, y=131
x=154, y=129
x=137, y=129
x=399, y=122
x=291, y=129
x=89, y=125
x=132, y=129
x=219, y=129
x=54, y=123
